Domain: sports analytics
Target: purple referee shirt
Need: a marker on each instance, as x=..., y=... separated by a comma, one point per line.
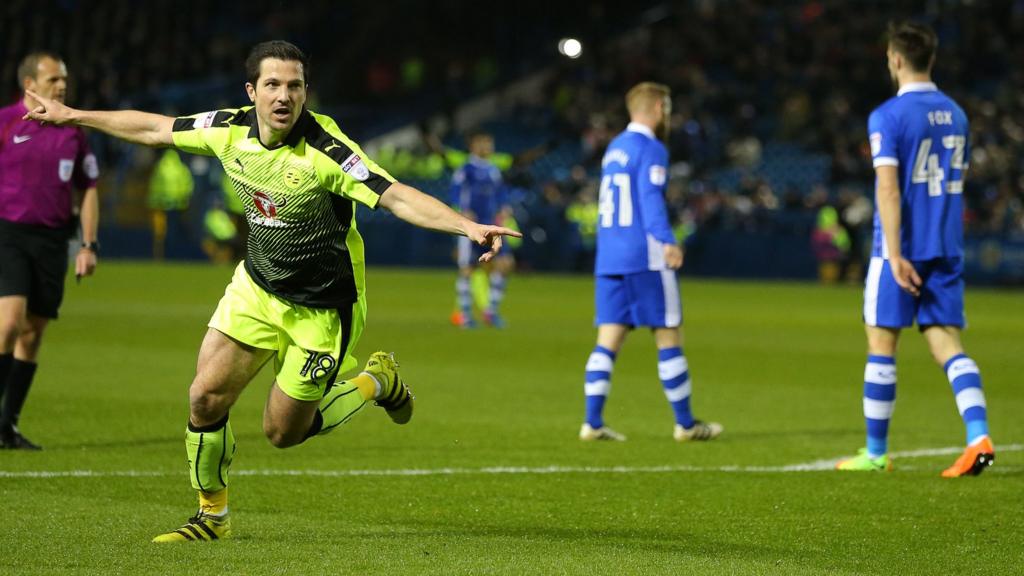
x=39, y=166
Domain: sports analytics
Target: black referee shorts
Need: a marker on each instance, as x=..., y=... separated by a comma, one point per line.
x=33, y=262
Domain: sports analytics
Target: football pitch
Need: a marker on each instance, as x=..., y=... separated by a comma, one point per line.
x=489, y=477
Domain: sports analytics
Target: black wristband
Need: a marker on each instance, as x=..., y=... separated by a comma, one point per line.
x=93, y=247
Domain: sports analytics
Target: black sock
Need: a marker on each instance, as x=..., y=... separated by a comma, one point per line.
x=18, y=382
x=5, y=370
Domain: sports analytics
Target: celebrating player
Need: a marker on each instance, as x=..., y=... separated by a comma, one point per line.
x=637, y=257
x=920, y=150
x=40, y=166
x=299, y=296
x=478, y=193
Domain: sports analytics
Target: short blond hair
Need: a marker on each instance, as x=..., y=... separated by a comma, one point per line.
x=641, y=98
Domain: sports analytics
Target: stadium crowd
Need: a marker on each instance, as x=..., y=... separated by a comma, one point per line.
x=750, y=78
x=748, y=75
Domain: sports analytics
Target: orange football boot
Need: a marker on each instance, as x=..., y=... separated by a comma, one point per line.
x=975, y=458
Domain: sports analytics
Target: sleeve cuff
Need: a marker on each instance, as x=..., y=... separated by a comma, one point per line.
x=886, y=161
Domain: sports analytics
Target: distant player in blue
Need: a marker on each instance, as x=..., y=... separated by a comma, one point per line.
x=919, y=142
x=637, y=257
x=478, y=192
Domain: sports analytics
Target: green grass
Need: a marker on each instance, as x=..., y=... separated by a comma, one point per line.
x=780, y=365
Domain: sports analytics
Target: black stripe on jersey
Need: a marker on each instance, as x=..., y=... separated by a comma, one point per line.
x=343, y=208
x=336, y=150
x=220, y=119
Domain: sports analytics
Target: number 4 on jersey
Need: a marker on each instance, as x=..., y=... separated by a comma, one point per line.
x=606, y=200
x=927, y=167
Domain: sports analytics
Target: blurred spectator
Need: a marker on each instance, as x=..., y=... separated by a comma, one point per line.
x=831, y=245
x=170, y=190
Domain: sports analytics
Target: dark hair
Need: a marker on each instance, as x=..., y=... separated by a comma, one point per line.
x=274, y=49
x=914, y=41
x=29, y=67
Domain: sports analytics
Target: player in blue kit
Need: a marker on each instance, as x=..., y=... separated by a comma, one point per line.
x=637, y=257
x=919, y=142
x=478, y=192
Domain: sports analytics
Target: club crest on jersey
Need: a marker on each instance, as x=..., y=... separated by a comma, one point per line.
x=266, y=205
x=292, y=178
x=354, y=167
x=65, y=169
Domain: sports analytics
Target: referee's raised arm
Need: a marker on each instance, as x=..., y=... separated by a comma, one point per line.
x=131, y=125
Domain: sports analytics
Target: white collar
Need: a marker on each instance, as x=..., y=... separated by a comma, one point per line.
x=641, y=128
x=917, y=87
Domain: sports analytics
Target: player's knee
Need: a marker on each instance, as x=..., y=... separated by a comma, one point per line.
x=206, y=405
x=881, y=344
x=280, y=437
x=8, y=335
x=9, y=329
x=29, y=340
x=943, y=352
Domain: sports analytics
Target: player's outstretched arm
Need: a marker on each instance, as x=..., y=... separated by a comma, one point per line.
x=425, y=211
x=131, y=125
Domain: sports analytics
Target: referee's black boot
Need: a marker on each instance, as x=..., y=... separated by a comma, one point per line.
x=11, y=439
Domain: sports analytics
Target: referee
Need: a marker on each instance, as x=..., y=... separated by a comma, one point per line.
x=40, y=167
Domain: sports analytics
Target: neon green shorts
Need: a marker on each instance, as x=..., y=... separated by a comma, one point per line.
x=313, y=345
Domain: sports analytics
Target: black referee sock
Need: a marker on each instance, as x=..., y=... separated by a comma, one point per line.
x=5, y=370
x=18, y=382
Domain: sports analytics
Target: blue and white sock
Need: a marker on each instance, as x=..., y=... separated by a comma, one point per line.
x=965, y=379
x=598, y=384
x=497, y=291
x=674, y=372
x=879, y=401
x=465, y=297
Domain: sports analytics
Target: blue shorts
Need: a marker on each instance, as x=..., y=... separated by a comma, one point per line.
x=941, y=302
x=642, y=299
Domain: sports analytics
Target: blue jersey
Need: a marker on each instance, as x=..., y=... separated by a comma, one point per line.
x=924, y=134
x=477, y=188
x=633, y=223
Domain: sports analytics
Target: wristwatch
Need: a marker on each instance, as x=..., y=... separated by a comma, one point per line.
x=93, y=247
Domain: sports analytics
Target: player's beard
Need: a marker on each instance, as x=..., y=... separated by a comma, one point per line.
x=661, y=130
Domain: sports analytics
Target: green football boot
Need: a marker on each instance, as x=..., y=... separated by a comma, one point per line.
x=863, y=462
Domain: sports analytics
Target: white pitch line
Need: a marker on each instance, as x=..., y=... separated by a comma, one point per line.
x=814, y=466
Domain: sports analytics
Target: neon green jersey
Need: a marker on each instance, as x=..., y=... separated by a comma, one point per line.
x=299, y=199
